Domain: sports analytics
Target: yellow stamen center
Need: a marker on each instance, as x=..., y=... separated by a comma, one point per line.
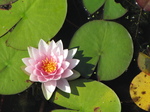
x=49, y=65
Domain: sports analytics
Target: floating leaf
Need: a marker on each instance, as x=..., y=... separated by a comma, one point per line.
x=144, y=63
x=93, y=5
x=4, y=2
x=88, y=96
x=64, y=110
x=113, y=10
x=12, y=79
x=144, y=4
x=140, y=92
x=105, y=43
x=34, y=19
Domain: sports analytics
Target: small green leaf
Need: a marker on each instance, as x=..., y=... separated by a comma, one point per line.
x=105, y=43
x=12, y=79
x=113, y=10
x=88, y=96
x=93, y=5
x=34, y=19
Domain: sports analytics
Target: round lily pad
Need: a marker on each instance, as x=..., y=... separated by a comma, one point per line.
x=31, y=20
x=140, y=92
x=88, y=96
x=12, y=79
x=104, y=44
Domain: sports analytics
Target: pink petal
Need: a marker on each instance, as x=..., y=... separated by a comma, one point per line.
x=29, y=69
x=52, y=45
x=63, y=85
x=75, y=75
x=37, y=73
x=35, y=53
x=30, y=52
x=65, y=53
x=57, y=77
x=71, y=53
x=49, y=77
x=42, y=79
x=60, y=59
x=73, y=63
x=65, y=65
x=56, y=51
x=67, y=73
x=23, y=68
x=50, y=85
x=43, y=47
x=60, y=45
x=32, y=62
x=26, y=61
x=59, y=71
x=33, y=78
x=46, y=93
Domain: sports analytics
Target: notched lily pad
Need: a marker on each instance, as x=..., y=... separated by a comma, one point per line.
x=112, y=10
x=12, y=79
x=93, y=5
x=88, y=96
x=33, y=20
x=104, y=44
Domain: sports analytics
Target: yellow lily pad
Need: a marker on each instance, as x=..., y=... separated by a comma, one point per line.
x=140, y=91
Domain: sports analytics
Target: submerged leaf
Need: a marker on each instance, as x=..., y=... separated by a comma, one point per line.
x=88, y=96
x=144, y=63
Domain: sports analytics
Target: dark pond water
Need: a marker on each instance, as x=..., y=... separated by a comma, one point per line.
x=136, y=21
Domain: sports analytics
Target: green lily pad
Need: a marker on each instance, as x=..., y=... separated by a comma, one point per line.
x=88, y=96
x=113, y=10
x=64, y=110
x=93, y=5
x=33, y=20
x=12, y=79
x=105, y=43
x=3, y=2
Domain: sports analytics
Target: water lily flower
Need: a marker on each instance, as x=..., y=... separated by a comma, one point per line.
x=51, y=65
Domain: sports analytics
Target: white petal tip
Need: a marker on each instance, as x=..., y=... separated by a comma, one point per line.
x=74, y=76
x=46, y=93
